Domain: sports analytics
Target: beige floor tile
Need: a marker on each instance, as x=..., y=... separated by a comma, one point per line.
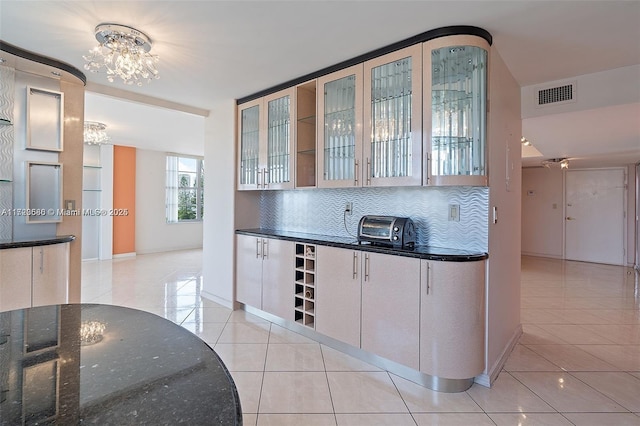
x=572, y=358
x=295, y=393
x=205, y=315
x=616, y=316
x=529, y=419
x=209, y=332
x=621, y=334
x=540, y=316
x=624, y=357
x=364, y=392
x=245, y=332
x=249, y=385
x=249, y=419
x=565, y=393
x=375, y=420
x=534, y=335
x=524, y=359
x=507, y=395
x=282, y=335
x=422, y=400
x=294, y=357
x=621, y=387
x=242, y=316
x=296, y=420
x=603, y=419
x=452, y=419
x=581, y=316
x=337, y=361
x=575, y=334
x=242, y=356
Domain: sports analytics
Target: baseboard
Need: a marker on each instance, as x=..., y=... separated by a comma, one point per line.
x=121, y=255
x=486, y=379
x=550, y=256
x=219, y=300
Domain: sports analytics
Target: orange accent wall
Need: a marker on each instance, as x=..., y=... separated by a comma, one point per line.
x=124, y=197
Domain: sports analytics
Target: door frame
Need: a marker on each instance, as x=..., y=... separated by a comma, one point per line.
x=625, y=196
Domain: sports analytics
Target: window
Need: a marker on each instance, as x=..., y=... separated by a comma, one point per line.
x=185, y=188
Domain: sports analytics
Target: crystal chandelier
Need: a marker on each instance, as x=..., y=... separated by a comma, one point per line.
x=124, y=52
x=95, y=133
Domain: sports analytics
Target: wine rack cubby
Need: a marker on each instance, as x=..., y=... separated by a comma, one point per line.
x=305, y=280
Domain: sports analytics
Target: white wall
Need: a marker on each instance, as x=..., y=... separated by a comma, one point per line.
x=542, y=212
x=153, y=233
x=219, y=237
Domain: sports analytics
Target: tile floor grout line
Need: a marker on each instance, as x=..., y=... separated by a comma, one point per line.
x=326, y=375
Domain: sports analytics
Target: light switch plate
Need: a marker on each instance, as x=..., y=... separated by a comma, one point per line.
x=454, y=212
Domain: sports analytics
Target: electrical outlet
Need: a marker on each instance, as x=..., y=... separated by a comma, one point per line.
x=348, y=208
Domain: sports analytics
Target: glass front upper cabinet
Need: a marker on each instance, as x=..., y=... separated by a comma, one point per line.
x=340, y=128
x=455, y=75
x=249, y=131
x=392, y=152
x=279, y=159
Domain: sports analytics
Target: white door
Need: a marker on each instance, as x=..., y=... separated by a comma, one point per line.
x=594, y=216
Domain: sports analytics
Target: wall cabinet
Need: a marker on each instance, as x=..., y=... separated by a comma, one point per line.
x=455, y=72
x=371, y=301
x=452, y=319
x=392, y=153
x=340, y=128
x=264, y=274
x=265, y=142
x=34, y=276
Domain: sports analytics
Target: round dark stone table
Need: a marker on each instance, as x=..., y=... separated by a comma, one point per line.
x=82, y=364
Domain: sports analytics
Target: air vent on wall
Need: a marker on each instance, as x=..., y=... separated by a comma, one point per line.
x=556, y=94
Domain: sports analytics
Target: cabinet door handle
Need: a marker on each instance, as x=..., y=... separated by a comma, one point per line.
x=428, y=168
x=265, y=249
x=355, y=265
x=355, y=172
x=265, y=182
x=368, y=171
x=41, y=261
x=258, y=173
x=428, y=277
x=258, y=248
x=366, y=267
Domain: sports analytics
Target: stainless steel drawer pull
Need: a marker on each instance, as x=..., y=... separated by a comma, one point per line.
x=355, y=265
x=366, y=267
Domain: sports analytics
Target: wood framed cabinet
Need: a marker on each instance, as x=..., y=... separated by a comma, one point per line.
x=265, y=153
x=392, y=152
x=338, y=294
x=34, y=276
x=391, y=307
x=452, y=319
x=370, y=301
x=264, y=274
x=455, y=90
x=339, y=126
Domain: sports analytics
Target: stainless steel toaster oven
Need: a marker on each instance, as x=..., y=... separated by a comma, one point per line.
x=387, y=230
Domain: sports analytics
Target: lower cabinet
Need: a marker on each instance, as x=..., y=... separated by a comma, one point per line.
x=338, y=294
x=264, y=275
x=391, y=307
x=34, y=276
x=370, y=301
x=452, y=320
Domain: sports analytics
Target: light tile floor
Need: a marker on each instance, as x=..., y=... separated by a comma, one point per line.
x=578, y=361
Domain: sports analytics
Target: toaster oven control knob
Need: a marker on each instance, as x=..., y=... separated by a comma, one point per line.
x=396, y=229
x=395, y=238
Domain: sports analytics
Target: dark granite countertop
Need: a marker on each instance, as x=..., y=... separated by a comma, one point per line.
x=9, y=244
x=420, y=252
x=109, y=365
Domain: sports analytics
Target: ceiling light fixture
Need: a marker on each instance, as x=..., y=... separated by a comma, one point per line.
x=124, y=52
x=525, y=141
x=562, y=162
x=95, y=133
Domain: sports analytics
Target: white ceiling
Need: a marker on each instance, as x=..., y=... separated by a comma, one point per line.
x=216, y=50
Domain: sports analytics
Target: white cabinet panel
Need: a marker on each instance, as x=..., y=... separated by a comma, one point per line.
x=278, y=278
x=249, y=270
x=50, y=274
x=15, y=278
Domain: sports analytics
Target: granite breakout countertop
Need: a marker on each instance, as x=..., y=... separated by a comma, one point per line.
x=34, y=242
x=420, y=252
x=109, y=365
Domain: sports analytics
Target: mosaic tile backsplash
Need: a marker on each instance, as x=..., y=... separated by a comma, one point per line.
x=321, y=211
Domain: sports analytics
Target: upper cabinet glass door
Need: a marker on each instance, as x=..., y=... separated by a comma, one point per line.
x=249, y=149
x=279, y=132
x=340, y=128
x=393, y=119
x=458, y=100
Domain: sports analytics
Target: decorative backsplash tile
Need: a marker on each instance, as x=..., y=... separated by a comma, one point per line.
x=6, y=202
x=321, y=211
x=7, y=92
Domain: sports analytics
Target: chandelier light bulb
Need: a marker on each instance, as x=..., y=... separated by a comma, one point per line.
x=95, y=133
x=124, y=53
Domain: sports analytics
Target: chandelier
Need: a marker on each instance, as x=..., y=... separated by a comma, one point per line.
x=95, y=133
x=124, y=52
x=562, y=162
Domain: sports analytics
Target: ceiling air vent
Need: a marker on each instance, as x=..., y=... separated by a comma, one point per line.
x=554, y=95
